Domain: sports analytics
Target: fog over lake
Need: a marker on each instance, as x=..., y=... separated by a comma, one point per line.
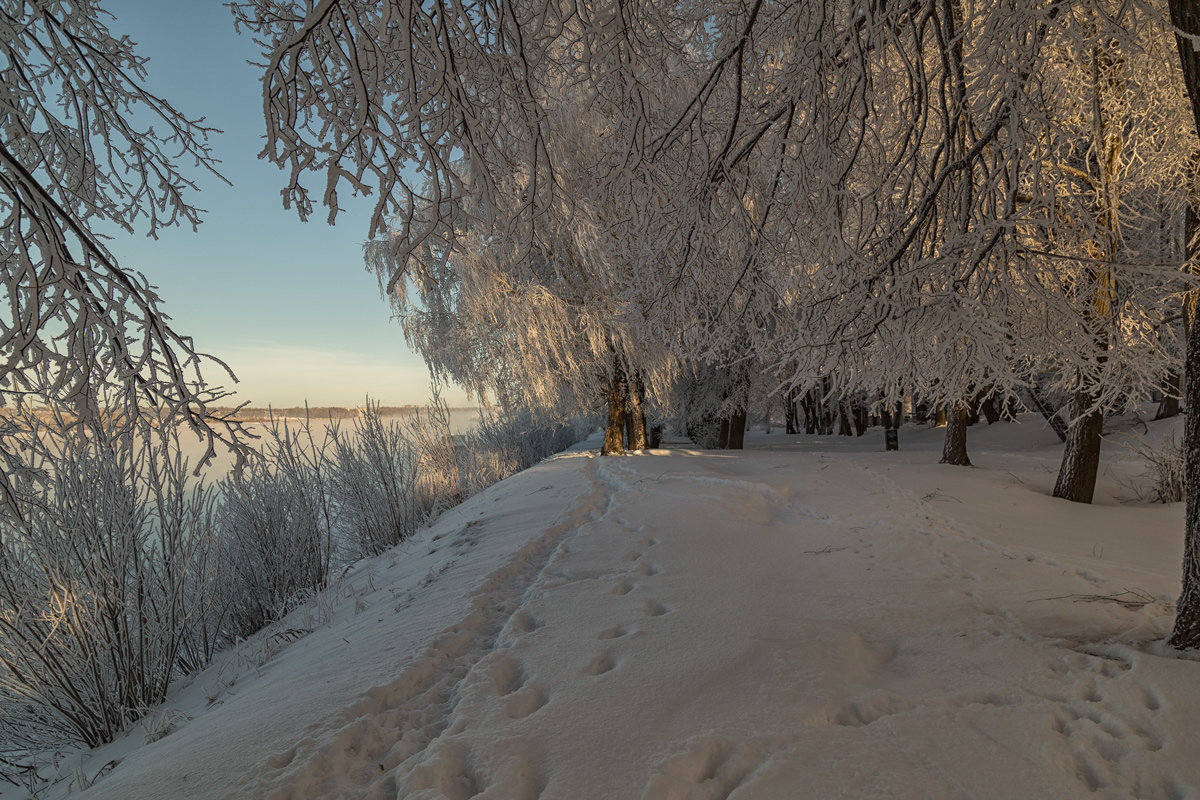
x=462, y=421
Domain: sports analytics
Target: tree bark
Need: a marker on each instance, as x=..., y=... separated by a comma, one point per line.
x=1187, y=615
x=988, y=407
x=1081, y=456
x=860, y=419
x=1051, y=415
x=1169, y=407
x=954, y=451
x=1185, y=15
x=735, y=430
x=844, y=420
x=810, y=412
x=635, y=415
x=920, y=412
x=614, y=432
x=791, y=412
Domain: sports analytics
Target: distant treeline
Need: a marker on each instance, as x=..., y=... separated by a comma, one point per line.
x=316, y=413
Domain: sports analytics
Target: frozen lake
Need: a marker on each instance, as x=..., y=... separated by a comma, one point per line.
x=462, y=421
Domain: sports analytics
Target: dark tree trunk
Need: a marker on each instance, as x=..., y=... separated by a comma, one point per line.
x=954, y=451
x=615, y=430
x=826, y=407
x=885, y=416
x=734, y=429
x=635, y=416
x=1081, y=456
x=810, y=412
x=920, y=412
x=860, y=419
x=656, y=436
x=1185, y=15
x=1169, y=407
x=844, y=420
x=1050, y=414
x=988, y=407
x=1187, y=618
x=723, y=437
x=792, y=412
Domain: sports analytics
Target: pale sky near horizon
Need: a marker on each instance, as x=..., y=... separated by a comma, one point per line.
x=288, y=305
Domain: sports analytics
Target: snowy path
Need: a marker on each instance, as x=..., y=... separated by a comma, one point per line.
x=773, y=624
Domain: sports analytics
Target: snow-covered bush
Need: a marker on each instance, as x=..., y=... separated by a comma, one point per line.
x=126, y=571
x=374, y=481
x=275, y=529
x=97, y=589
x=506, y=442
x=1164, y=480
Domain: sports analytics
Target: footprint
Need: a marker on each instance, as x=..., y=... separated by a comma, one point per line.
x=524, y=622
x=601, y=664
x=507, y=676
x=710, y=767
x=656, y=609
x=525, y=702
x=1175, y=789
x=615, y=632
x=624, y=587
x=649, y=569
x=649, y=541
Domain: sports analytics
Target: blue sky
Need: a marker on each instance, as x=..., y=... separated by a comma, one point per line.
x=288, y=305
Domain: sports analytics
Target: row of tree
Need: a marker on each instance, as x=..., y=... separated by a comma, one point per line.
x=688, y=203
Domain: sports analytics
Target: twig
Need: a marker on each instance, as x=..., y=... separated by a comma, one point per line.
x=1126, y=598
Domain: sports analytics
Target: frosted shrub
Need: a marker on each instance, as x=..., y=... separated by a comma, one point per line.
x=506, y=442
x=1164, y=478
x=97, y=594
x=374, y=481
x=437, y=457
x=275, y=523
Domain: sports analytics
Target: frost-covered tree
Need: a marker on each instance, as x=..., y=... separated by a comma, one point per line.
x=83, y=145
x=1107, y=177
x=1185, y=15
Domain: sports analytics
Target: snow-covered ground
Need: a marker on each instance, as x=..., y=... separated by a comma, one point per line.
x=809, y=618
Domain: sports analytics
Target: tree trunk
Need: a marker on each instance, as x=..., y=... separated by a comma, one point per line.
x=844, y=420
x=810, y=412
x=954, y=451
x=791, y=412
x=635, y=416
x=615, y=430
x=1187, y=616
x=860, y=419
x=988, y=407
x=1185, y=15
x=734, y=429
x=1051, y=415
x=656, y=436
x=1169, y=407
x=940, y=417
x=1081, y=456
x=920, y=412
x=723, y=437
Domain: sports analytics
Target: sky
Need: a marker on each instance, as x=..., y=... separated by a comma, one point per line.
x=289, y=306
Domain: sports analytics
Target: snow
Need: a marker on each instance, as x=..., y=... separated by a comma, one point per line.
x=809, y=618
